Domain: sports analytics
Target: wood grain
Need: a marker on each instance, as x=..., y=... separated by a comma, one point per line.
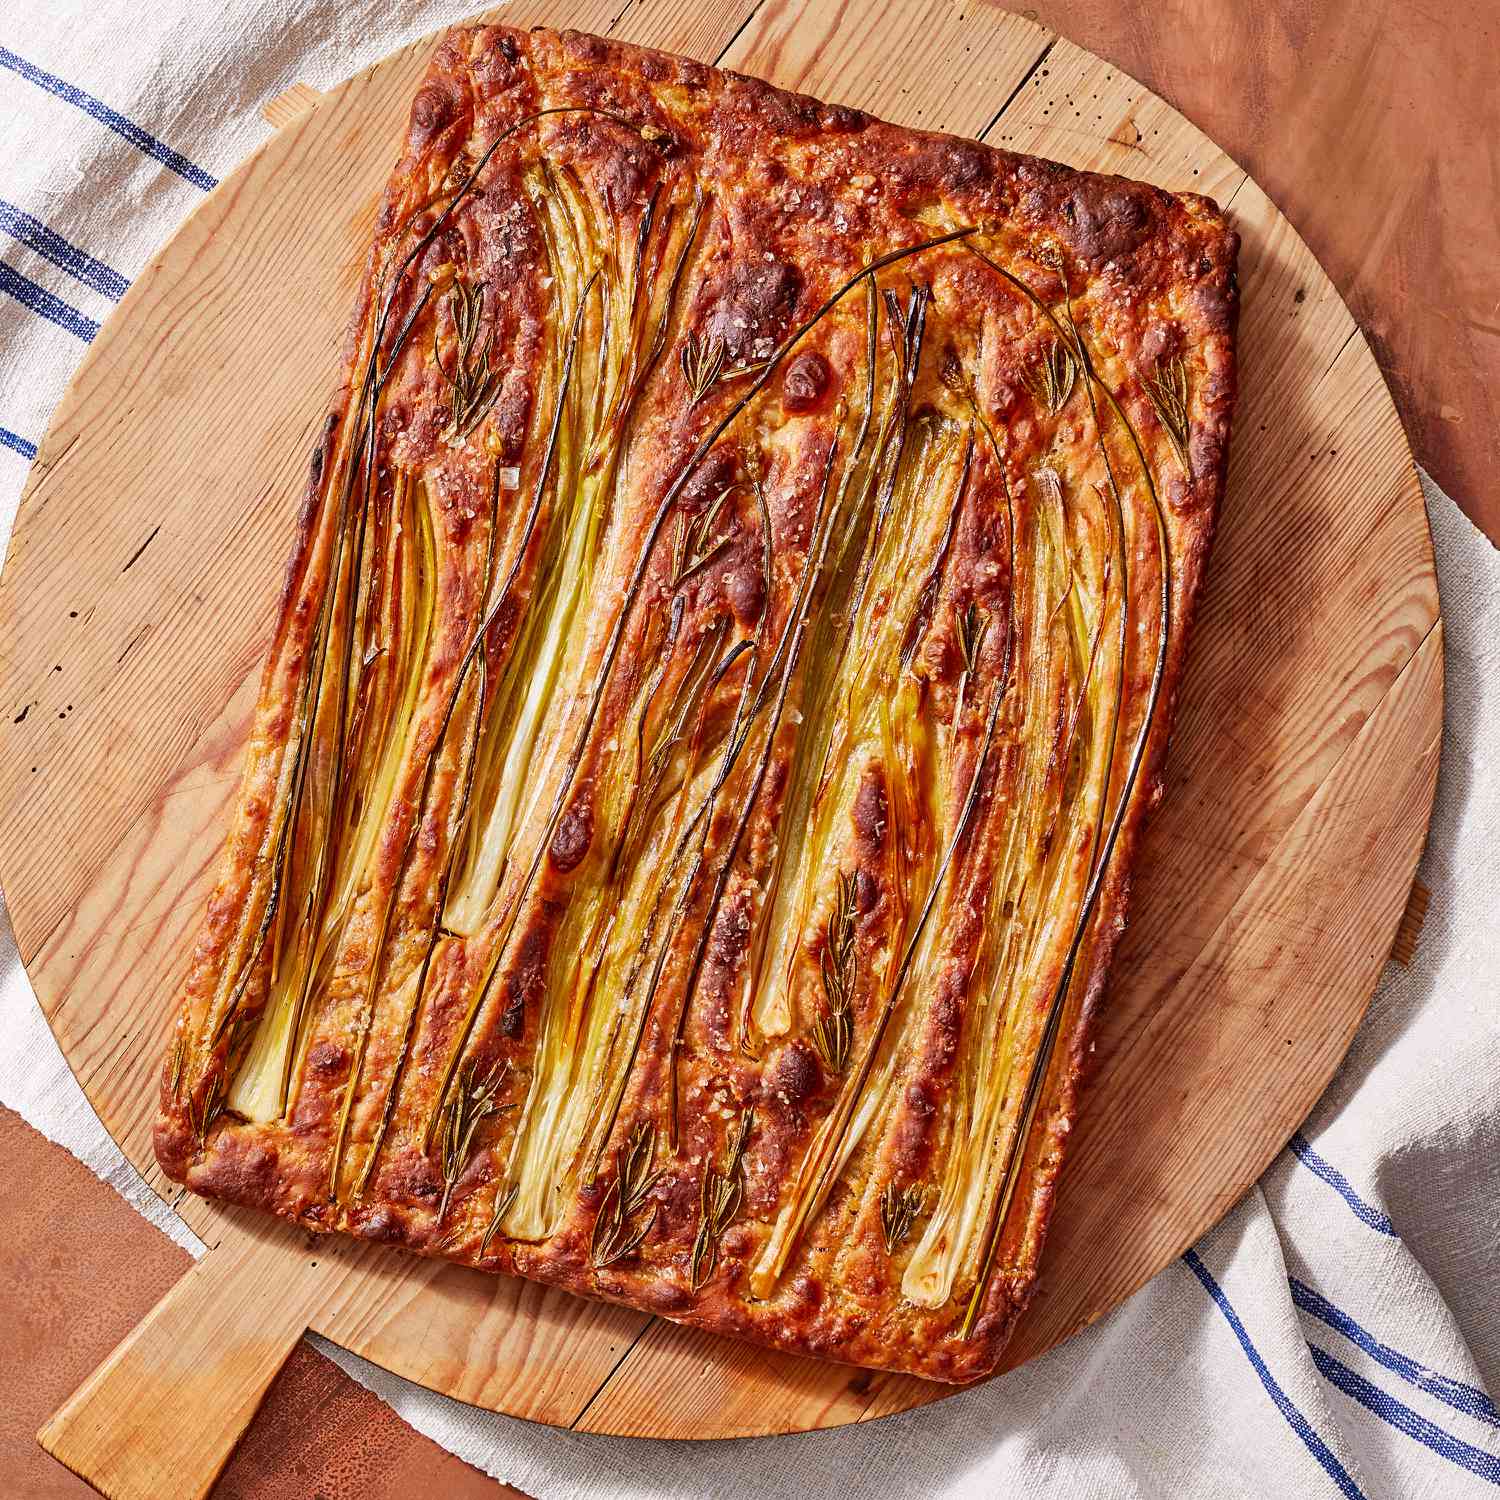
x=1301, y=775
x=286, y=106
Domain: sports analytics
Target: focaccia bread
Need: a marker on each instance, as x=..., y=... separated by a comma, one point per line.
x=724, y=666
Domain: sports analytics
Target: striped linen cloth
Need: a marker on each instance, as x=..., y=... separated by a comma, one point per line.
x=1334, y=1335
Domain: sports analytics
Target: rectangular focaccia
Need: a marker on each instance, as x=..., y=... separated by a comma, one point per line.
x=724, y=666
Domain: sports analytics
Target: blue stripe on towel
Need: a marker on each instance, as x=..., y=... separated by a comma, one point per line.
x=142, y=140
x=1468, y=1399
x=40, y=301
x=1366, y=1212
x=35, y=235
x=9, y=439
x=1295, y=1420
x=1404, y=1419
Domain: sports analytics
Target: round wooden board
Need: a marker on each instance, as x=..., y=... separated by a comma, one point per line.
x=137, y=600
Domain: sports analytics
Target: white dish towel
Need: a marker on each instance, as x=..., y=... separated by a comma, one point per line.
x=1334, y=1335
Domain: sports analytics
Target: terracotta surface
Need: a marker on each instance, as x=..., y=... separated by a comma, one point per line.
x=79, y=1267
x=1374, y=126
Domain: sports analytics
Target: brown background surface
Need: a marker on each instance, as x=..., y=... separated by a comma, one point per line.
x=1374, y=125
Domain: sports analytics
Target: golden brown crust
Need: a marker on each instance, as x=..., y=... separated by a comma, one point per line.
x=1049, y=418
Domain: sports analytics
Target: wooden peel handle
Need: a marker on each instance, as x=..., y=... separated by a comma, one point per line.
x=161, y=1416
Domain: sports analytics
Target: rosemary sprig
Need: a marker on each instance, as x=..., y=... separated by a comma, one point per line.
x=660, y=734
x=702, y=364
x=1167, y=386
x=504, y=1197
x=204, y=1116
x=1051, y=379
x=898, y=1212
x=178, y=1062
x=833, y=1031
x=692, y=549
x=473, y=385
x=718, y=1204
x=471, y=1102
x=972, y=627
x=616, y=1237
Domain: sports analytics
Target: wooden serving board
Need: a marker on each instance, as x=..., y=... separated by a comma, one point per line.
x=137, y=600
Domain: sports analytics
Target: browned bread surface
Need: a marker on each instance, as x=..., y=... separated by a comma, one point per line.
x=726, y=660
